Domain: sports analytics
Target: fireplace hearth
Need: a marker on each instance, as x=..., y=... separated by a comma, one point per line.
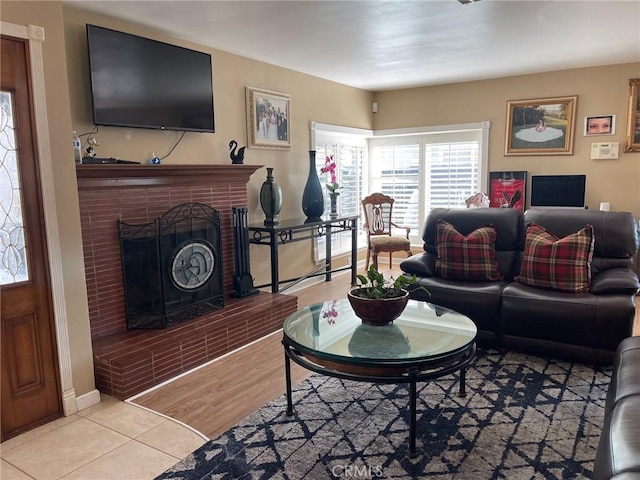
x=129, y=361
x=172, y=266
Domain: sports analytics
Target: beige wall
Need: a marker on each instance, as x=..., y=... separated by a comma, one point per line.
x=600, y=90
x=312, y=99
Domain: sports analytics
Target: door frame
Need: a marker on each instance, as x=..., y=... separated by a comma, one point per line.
x=34, y=35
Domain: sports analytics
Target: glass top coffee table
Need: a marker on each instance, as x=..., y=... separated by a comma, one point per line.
x=425, y=342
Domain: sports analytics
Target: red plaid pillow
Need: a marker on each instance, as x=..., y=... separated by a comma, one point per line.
x=562, y=264
x=466, y=258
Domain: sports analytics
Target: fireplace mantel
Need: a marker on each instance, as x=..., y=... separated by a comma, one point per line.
x=91, y=177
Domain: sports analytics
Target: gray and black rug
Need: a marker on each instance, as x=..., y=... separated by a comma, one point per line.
x=524, y=417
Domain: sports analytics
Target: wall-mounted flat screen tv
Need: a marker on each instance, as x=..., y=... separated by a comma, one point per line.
x=138, y=82
x=558, y=190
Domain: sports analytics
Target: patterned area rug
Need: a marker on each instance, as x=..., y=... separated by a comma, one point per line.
x=524, y=417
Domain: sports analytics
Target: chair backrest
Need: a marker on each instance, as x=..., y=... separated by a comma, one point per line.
x=378, y=209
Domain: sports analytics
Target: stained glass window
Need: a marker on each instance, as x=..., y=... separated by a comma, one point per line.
x=13, y=258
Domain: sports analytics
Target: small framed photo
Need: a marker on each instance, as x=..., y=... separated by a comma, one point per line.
x=507, y=189
x=268, y=119
x=542, y=126
x=600, y=125
x=632, y=134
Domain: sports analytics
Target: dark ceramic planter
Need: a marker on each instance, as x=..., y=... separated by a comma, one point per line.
x=377, y=311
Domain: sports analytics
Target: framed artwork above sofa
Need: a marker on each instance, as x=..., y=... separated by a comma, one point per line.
x=543, y=126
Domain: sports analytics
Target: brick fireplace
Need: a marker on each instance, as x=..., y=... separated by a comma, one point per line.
x=127, y=362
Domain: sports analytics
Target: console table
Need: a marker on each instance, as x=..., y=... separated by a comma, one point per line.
x=296, y=230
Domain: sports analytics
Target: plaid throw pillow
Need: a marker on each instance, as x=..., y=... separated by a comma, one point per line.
x=562, y=264
x=466, y=258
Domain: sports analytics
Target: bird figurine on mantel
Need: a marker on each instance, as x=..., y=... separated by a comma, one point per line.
x=236, y=157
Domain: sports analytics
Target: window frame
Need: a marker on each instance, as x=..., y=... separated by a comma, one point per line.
x=420, y=136
x=399, y=136
x=336, y=135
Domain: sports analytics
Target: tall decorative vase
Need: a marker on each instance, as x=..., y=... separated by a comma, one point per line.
x=312, y=199
x=270, y=198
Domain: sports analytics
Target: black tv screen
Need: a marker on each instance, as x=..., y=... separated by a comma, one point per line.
x=138, y=82
x=558, y=190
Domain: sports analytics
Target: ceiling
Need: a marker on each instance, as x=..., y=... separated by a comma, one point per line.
x=390, y=44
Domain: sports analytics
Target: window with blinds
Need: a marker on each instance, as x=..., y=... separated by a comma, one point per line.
x=425, y=171
x=349, y=149
x=421, y=168
x=395, y=171
x=451, y=173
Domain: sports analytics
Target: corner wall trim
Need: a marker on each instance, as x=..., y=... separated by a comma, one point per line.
x=88, y=400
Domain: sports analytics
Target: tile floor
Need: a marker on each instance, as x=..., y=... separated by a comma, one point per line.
x=113, y=440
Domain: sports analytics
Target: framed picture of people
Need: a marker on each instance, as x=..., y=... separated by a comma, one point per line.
x=268, y=119
x=507, y=189
x=543, y=126
x=632, y=134
x=600, y=125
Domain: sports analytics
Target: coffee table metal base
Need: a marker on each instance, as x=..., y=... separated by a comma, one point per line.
x=406, y=372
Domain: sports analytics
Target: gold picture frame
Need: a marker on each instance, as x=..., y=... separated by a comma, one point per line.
x=632, y=135
x=543, y=126
x=268, y=118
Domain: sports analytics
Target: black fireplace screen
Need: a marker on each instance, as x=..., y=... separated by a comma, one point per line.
x=172, y=266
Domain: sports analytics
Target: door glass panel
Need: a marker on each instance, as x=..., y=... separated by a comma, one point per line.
x=13, y=257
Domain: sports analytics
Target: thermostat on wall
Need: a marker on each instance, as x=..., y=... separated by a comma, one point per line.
x=604, y=150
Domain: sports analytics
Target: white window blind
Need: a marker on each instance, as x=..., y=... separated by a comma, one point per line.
x=349, y=149
x=425, y=171
x=395, y=171
x=451, y=173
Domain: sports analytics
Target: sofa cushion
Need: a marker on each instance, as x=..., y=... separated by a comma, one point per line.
x=507, y=222
x=470, y=257
x=562, y=264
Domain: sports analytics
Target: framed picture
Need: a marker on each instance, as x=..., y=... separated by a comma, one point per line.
x=542, y=126
x=507, y=189
x=632, y=136
x=600, y=125
x=268, y=116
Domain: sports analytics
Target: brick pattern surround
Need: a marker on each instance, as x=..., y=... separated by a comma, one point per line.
x=127, y=362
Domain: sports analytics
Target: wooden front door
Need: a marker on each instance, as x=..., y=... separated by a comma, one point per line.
x=30, y=375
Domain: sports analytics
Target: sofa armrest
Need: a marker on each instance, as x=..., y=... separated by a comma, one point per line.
x=615, y=281
x=421, y=265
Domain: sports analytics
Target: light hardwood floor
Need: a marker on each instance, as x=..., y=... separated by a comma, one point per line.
x=217, y=396
x=220, y=394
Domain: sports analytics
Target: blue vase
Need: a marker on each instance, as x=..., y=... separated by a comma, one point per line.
x=271, y=198
x=312, y=199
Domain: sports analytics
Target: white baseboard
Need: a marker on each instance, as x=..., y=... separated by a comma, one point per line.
x=88, y=400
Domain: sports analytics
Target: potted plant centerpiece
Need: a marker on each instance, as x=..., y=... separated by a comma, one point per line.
x=379, y=301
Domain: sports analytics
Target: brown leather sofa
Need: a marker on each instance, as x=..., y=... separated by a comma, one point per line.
x=618, y=454
x=582, y=326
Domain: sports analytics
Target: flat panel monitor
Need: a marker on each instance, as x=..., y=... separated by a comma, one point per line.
x=138, y=82
x=558, y=190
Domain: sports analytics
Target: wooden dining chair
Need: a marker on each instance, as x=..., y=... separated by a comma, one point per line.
x=379, y=226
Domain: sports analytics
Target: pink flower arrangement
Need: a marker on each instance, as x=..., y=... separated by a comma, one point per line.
x=331, y=314
x=330, y=168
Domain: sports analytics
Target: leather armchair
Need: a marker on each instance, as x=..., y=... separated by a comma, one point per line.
x=618, y=454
